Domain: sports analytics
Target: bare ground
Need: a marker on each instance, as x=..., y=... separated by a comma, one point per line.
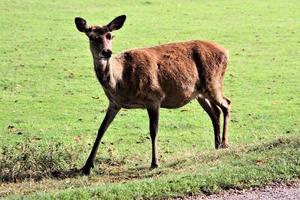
x=275, y=191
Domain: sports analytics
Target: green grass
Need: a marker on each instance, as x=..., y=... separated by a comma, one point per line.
x=206, y=172
x=50, y=96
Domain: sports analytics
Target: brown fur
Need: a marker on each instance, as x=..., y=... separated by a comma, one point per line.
x=168, y=75
x=164, y=76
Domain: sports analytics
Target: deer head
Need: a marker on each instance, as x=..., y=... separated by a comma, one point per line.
x=100, y=37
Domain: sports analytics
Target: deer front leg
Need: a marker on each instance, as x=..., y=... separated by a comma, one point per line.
x=153, y=126
x=110, y=115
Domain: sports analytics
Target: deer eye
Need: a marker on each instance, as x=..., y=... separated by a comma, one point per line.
x=109, y=36
x=95, y=38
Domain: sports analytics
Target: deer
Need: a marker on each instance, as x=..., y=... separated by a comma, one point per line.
x=164, y=76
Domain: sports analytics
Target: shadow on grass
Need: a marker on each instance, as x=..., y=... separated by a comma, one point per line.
x=63, y=174
x=72, y=173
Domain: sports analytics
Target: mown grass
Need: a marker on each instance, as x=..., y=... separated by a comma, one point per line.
x=49, y=95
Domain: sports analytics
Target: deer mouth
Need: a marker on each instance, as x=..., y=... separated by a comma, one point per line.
x=106, y=53
x=102, y=57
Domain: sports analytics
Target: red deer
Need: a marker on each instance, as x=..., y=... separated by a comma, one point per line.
x=164, y=76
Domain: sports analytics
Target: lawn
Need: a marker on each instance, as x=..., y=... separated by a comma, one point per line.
x=51, y=103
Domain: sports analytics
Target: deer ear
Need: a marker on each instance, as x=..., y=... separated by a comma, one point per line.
x=117, y=23
x=81, y=24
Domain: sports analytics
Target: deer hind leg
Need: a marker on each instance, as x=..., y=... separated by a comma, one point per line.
x=225, y=104
x=226, y=109
x=214, y=113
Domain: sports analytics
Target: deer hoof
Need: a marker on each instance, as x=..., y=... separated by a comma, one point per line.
x=224, y=145
x=218, y=145
x=154, y=165
x=86, y=170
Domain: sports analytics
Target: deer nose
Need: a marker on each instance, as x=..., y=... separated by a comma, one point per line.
x=107, y=53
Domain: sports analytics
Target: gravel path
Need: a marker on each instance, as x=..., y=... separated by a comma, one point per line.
x=289, y=191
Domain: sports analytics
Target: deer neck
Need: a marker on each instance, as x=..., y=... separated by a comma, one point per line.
x=107, y=71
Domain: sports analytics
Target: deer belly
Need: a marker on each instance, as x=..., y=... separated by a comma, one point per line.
x=177, y=100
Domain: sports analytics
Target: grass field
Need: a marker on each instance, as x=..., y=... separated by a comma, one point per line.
x=51, y=103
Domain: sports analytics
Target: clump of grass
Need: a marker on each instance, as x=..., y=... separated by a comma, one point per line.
x=36, y=160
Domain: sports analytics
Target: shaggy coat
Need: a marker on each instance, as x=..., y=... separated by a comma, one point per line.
x=164, y=76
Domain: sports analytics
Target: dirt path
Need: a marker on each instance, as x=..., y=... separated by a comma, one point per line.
x=290, y=191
